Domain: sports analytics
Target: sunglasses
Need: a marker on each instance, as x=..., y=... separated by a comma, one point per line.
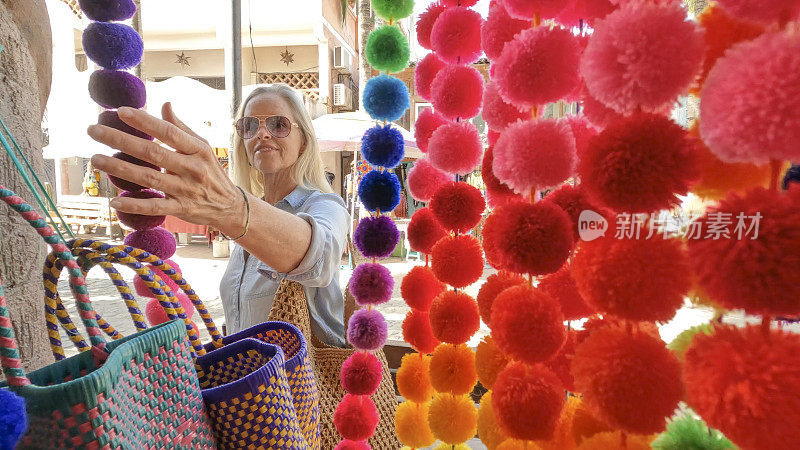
x=277, y=126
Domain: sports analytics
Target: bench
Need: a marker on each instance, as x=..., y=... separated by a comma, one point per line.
x=85, y=214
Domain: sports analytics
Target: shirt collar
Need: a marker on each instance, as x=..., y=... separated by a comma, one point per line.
x=297, y=197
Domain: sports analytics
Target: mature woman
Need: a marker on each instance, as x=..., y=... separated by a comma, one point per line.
x=278, y=207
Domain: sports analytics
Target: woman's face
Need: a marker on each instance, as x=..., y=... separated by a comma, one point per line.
x=269, y=154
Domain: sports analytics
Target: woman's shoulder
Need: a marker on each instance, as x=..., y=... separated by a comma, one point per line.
x=316, y=198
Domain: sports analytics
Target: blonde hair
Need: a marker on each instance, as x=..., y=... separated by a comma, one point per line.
x=308, y=170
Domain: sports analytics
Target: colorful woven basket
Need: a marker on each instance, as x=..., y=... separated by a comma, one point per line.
x=139, y=392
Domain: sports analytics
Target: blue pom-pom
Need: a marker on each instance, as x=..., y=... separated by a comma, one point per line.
x=113, y=89
x=108, y=10
x=383, y=146
x=385, y=98
x=379, y=191
x=13, y=419
x=113, y=46
x=792, y=176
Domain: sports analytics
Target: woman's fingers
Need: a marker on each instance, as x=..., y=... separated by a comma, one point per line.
x=147, y=206
x=144, y=176
x=137, y=147
x=168, y=114
x=166, y=132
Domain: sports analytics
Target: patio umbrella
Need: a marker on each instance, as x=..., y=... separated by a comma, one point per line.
x=343, y=132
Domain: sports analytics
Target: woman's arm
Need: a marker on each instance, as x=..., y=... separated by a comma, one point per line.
x=197, y=188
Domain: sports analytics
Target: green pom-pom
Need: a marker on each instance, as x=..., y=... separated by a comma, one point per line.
x=387, y=49
x=393, y=9
x=680, y=344
x=688, y=433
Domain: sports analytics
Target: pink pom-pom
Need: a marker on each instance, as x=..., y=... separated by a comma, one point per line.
x=539, y=66
x=425, y=24
x=457, y=92
x=499, y=29
x=361, y=374
x=584, y=10
x=424, y=74
x=347, y=444
x=497, y=113
x=497, y=193
x=739, y=122
x=492, y=136
x=427, y=122
x=156, y=314
x=582, y=131
x=456, y=148
x=596, y=112
x=424, y=180
x=780, y=11
x=371, y=284
x=535, y=154
x=356, y=417
x=456, y=35
x=142, y=289
x=526, y=9
x=156, y=241
x=466, y=3
x=367, y=330
x=642, y=56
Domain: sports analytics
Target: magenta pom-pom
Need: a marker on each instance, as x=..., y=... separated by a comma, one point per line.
x=526, y=9
x=457, y=92
x=361, y=374
x=356, y=417
x=427, y=122
x=347, y=444
x=498, y=29
x=424, y=180
x=114, y=88
x=425, y=24
x=456, y=148
x=140, y=221
x=126, y=185
x=156, y=241
x=424, y=74
x=111, y=119
x=367, y=330
x=497, y=113
x=371, y=284
x=456, y=35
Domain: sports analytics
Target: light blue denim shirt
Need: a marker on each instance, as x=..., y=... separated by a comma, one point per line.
x=248, y=288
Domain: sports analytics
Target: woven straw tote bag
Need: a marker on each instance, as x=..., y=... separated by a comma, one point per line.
x=290, y=305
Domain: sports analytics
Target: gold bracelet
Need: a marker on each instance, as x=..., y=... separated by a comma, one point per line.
x=247, y=221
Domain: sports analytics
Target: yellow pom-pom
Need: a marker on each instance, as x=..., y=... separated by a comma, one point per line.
x=584, y=424
x=451, y=447
x=411, y=425
x=562, y=437
x=453, y=369
x=614, y=440
x=489, y=361
x=680, y=344
x=515, y=444
x=413, y=378
x=453, y=418
x=488, y=430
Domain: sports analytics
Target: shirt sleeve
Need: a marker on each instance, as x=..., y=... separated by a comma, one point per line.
x=329, y=219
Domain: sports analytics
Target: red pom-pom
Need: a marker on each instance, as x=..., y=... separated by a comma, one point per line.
x=419, y=287
x=466, y=3
x=361, y=374
x=497, y=193
x=497, y=113
x=539, y=66
x=628, y=378
x=427, y=122
x=424, y=231
x=356, y=417
x=766, y=12
x=562, y=287
x=535, y=154
x=527, y=401
x=352, y=445
x=573, y=201
x=454, y=317
x=424, y=74
x=746, y=383
x=526, y=9
x=584, y=10
x=458, y=206
x=528, y=238
x=659, y=150
x=738, y=120
x=424, y=180
x=492, y=136
x=457, y=260
x=425, y=24
x=499, y=29
x=560, y=364
x=522, y=316
x=635, y=279
x=418, y=333
x=457, y=92
x=456, y=35
x=582, y=131
x=456, y=148
x=491, y=288
x=756, y=273
x=596, y=112
x=642, y=55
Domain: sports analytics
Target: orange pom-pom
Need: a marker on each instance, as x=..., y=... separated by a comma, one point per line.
x=411, y=425
x=494, y=285
x=453, y=418
x=614, y=440
x=453, y=369
x=561, y=286
x=489, y=361
x=489, y=430
x=457, y=260
x=413, y=378
x=419, y=287
x=516, y=444
x=527, y=324
x=418, y=333
x=454, y=317
x=562, y=437
x=527, y=401
x=585, y=424
x=746, y=383
x=628, y=377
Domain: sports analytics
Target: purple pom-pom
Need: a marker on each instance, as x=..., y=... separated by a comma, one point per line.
x=113, y=89
x=108, y=10
x=113, y=46
x=376, y=237
x=371, y=284
x=140, y=221
x=361, y=374
x=126, y=185
x=156, y=241
x=367, y=329
x=13, y=419
x=111, y=119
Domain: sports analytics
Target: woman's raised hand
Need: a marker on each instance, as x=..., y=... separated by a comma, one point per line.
x=196, y=186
